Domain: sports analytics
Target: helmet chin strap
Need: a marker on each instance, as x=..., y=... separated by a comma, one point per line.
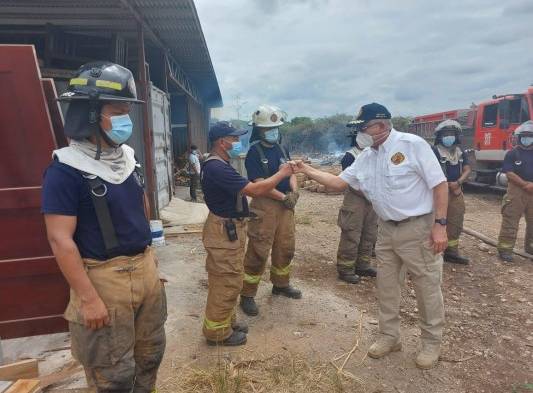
x=94, y=127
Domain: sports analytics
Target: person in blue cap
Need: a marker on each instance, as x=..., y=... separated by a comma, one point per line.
x=399, y=173
x=224, y=233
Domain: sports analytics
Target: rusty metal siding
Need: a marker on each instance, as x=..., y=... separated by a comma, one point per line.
x=162, y=141
x=198, y=124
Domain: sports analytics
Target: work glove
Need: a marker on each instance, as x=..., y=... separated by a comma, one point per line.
x=291, y=198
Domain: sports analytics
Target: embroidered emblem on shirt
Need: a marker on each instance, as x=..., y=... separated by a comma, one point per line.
x=397, y=158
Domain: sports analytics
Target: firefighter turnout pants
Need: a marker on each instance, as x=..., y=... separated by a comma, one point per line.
x=123, y=356
x=224, y=265
x=358, y=223
x=406, y=245
x=272, y=230
x=456, y=215
x=516, y=203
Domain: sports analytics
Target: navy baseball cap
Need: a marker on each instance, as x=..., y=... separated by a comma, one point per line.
x=223, y=128
x=368, y=112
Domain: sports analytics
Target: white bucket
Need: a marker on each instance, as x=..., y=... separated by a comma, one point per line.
x=158, y=236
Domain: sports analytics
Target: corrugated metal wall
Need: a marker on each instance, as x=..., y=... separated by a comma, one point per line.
x=162, y=141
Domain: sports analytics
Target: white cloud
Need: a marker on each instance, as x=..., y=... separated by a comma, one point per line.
x=320, y=57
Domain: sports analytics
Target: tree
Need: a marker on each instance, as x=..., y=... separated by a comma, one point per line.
x=401, y=123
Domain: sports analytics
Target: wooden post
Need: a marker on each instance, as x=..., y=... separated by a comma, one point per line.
x=147, y=131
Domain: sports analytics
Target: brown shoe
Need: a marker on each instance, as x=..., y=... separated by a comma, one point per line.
x=383, y=346
x=428, y=357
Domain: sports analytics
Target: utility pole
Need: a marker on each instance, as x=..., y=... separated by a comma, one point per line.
x=238, y=105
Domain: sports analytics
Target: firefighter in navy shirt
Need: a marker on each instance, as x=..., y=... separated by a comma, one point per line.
x=273, y=231
x=518, y=166
x=454, y=164
x=224, y=234
x=94, y=208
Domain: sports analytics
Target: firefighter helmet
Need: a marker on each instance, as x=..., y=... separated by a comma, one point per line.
x=448, y=125
x=268, y=116
x=102, y=81
x=524, y=128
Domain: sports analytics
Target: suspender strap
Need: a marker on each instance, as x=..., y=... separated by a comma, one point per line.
x=264, y=160
x=98, y=191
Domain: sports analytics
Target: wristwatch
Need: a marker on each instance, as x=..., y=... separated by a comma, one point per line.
x=441, y=221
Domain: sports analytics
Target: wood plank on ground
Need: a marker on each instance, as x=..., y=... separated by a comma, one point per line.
x=24, y=386
x=24, y=369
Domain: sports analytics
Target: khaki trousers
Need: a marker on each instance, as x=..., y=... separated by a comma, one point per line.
x=224, y=265
x=516, y=203
x=407, y=245
x=272, y=230
x=125, y=355
x=358, y=223
x=456, y=215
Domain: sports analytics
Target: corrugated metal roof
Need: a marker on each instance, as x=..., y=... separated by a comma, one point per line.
x=174, y=22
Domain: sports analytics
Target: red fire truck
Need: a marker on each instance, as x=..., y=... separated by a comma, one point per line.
x=487, y=132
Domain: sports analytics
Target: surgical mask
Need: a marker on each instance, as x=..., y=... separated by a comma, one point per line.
x=527, y=141
x=448, y=140
x=272, y=136
x=121, y=128
x=236, y=149
x=364, y=140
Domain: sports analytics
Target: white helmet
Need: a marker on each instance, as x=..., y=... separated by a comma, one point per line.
x=449, y=124
x=523, y=128
x=268, y=116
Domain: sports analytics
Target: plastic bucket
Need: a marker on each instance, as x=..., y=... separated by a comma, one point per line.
x=158, y=236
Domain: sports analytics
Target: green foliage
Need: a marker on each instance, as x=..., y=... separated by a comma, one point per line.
x=401, y=123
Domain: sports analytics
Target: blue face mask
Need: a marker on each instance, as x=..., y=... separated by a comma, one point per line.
x=236, y=149
x=272, y=136
x=121, y=129
x=448, y=141
x=526, y=141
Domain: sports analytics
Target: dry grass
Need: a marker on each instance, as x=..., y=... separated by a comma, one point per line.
x=280, y=373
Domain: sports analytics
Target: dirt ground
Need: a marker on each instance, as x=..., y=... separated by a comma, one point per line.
x=488, y=341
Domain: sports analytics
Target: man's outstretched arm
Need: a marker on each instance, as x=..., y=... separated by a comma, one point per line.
x=332, y=182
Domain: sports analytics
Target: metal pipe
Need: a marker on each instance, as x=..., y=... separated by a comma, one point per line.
x=147, y=131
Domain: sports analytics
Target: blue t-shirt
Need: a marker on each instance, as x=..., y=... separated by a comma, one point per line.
x=519, y=161
x=221, y=185
x=275, y=158
x=452, y=172
x=65, y=192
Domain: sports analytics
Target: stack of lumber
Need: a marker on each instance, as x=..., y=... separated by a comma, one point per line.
x=23, y=377
x=20, y=377
x=310, y=185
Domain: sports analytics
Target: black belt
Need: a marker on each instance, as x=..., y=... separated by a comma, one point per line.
x=406, y=220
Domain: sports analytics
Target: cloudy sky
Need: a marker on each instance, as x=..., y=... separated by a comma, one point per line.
x=321, y=57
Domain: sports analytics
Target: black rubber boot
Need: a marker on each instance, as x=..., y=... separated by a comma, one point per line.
x=236, y=338
x=365, y=270
x=248, y=306
x=505, y=256
x=350, y=278
x=287, y=291
x=454, y=257
x=240, y=327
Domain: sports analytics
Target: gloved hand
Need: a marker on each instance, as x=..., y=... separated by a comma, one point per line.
x=291, y=198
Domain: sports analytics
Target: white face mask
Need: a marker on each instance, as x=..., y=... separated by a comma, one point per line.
x=364, y=140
